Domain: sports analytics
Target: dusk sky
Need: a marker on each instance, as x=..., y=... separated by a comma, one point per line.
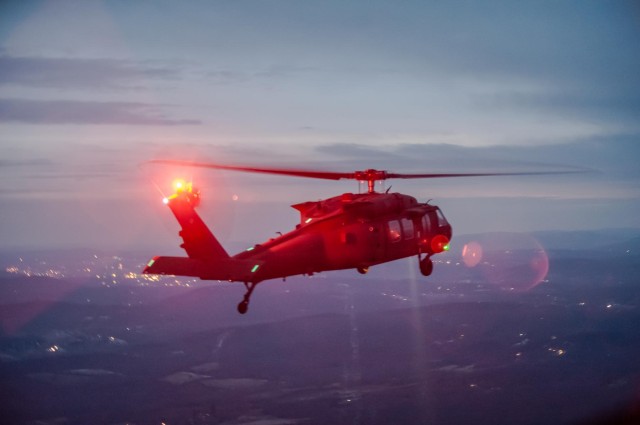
x=90, y=90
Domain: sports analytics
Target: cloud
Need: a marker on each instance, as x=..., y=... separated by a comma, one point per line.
x=85, y=112
x=352, y=151
x=268, y=74
x=595, y=105
x=23, y=162
x=224, y=77
x=78, y=73
x=613, y=159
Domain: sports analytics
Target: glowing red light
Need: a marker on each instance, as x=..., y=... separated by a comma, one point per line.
x=439, y=243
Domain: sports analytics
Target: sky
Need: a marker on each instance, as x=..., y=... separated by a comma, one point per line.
x=91, y=90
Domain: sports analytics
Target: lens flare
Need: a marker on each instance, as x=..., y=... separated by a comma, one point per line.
x=472, y=254
x=509, y=261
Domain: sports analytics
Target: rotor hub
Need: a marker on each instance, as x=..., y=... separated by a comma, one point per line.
x=371, y=176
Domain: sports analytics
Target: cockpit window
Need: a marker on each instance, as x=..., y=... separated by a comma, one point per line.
x=441, y=220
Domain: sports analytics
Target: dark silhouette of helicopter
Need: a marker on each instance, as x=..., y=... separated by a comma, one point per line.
x=349, y=231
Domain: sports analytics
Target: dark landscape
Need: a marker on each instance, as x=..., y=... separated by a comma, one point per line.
x=86, y=340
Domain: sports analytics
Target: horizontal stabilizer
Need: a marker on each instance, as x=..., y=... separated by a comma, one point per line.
x=222, y=269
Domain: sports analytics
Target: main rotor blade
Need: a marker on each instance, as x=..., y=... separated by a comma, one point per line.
x=446, y=175
x=370, y=175
x=286, y=172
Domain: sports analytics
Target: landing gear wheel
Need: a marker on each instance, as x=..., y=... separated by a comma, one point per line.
x=363, y=270
x=243, y=306
x=426, y=266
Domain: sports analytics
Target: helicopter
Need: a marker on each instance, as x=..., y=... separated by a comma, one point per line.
x=348, y=231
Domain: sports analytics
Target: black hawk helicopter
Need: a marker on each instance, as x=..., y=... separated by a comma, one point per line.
x=348, y=231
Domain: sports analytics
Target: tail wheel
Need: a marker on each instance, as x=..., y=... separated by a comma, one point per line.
x=426, y=266
x=363, y=270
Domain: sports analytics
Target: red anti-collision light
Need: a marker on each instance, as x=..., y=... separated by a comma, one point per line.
x=439, y=243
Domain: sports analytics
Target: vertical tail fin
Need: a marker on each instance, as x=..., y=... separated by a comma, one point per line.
x=199, y=242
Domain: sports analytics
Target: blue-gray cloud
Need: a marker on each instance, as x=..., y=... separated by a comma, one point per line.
x=23, y=162
x=595, y=104
x=85, y=112
x=579, y=60
x=67, y=73
x=616, y=157
x=270, y=73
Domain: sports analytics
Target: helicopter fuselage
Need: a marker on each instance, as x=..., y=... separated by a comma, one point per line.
x=350, y=231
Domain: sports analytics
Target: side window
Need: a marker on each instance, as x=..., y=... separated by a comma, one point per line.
x=394, y=231
x=407, y=228
x=426, y=225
